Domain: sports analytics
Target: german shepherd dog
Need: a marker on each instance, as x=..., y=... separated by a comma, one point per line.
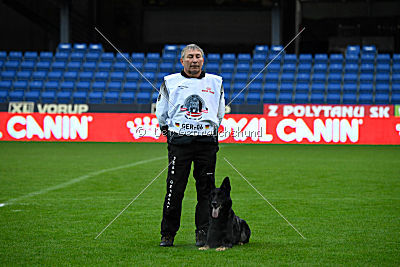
x=226, y=229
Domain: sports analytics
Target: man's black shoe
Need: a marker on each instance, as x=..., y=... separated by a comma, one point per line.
x=167, y=241
x=201, y=238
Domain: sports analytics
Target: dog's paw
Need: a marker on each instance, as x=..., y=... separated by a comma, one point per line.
x=204, y=248
x=221, y=248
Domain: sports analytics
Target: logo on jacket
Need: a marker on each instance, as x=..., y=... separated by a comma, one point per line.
x=194, y=107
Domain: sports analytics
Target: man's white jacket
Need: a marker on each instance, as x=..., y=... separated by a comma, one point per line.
x=191, y=106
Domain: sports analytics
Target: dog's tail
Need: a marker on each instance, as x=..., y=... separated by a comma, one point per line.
x=245, y=232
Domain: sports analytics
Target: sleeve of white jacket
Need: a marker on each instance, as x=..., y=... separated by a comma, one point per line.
x=162, y=106
x=221, y=108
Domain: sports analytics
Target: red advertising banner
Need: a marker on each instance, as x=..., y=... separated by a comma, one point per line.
x=305, y=124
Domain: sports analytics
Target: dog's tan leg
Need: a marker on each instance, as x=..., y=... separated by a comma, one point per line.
x=204, y=248
x=221, y=248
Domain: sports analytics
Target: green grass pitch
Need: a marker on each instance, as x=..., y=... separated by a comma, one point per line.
x=344, y=199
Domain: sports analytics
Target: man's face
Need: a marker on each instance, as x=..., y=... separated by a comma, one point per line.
x=192, y=62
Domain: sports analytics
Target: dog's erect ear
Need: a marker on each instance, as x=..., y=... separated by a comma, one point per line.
x=226, y=184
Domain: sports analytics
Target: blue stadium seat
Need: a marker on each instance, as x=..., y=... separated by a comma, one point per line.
x=396, y=77
x=302, y=88
x=79, y=97
x=351, y=68
x=24, y=75
x=335, y=68
x=89, y=66
x=5, y=85
x=395, y=87
x=15, y=55
x=213, y=58
x=115, y=86
x=286, y=87
x=307, y=67
x=130, y=87
x=86, y=76
x=228, y=58
x=61, y=57
x=35, y=85
x=154, y=97
x=336, y=59
x=122, y=57
x=51, y=86
x=366, y=88
x=77, y=57
x=132, y=76
x=58, y=66
x=274, y=67
x=367, y=59
x=317, y=97
x=17, y=95
x=289, y=68
x=3, y=56
x=98, y=86
x=290, y=59
x=350, y=87
x=8, y=75
x=83, y=86
x=320, y=68
x=237, y=87
x=92, y=57
x=160, y=76
x=365, y=98
x=350, y=77
x=107, y=57
x=255, y=87
x=74, y=66
x=272, y=77
x=275, y=49
x=111, y=97
x=20, y=85
x=275, y=58
x=64, y=97
x=382, y=68
x=285, y=98
x=95, y=48
x=153, y=57
x=382, y=87
x=301, y=98
x=303, y=77
x=80, y=47
x=70, y=76
x=138, y=57
x=320, y=59
x=353, y=49
x=45, y=56
x=261, y=50
x=95, y=97
x=39, y=75
x=227, y=67
x=287, y=77
x=395, y=98
x=367, y=77
x=64, y=48
x=243, y=67
x=151, y=76
x=367, y=68
x=243, y=58
x=117, y=76
x=368, y=49
x=127, y=97
x=305, y=58
x=145, y=87
x=333, y=98
x=178, y=67
x=352, y=59
x=54, y=75
x=334, y=77
x=143, y=97
x=28, y=65
x=101, y=76
x=240, y=77
x=253, y=98
x=12, y=65
x=334, y=88
x=32, y=96
x=43, y=66
x=269, y=97
x=169, y=67
x=259, y=59
x=3, y=95
x=48, y=97
x=238, y=99
x=382, y=98
x=271, y=87
x=255, y=77
x=104, y=66
x=349, y=98
x=212, y=68
x=150, y=66
x=257, y=67
x=120, y=66
x=67, y=86
x=383, y=59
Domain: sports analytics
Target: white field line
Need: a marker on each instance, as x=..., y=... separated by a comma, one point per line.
x=77, y=180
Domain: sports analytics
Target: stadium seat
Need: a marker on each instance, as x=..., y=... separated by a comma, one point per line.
x=150, y=66
x=86, y=76
x=3, y=56
x=67, y=86
x=213, y=58
x=257, y=67
x=64, y=97
x=302, y=88
x=259, y=59
x=350, y=77
x=24, y=75
x=80, y=47
x=143, y=97
x=290, y=59
x=89, y=66
x=334, y=77
x=396, y=77
x=272, y=77
x=98, y=48
x=395, y=98
x=240, y=78
x=305, y=58
x=98, y=86
x=58, y=66
x=382, y=98
x=104, y=66
x=333, y=98
x=61, y=57
x=317, y=97
x=365, y=98
x=275, y=49
x=289, y=68
x=334, y=88
x=51, y=86
x=243, y=58
x=253, y=98
x=395, y=87
x=12, y=65
x=20, y=85
x=145, y=87
x=17, y=95
x=274, y=67
x=28, y=65
x=336, y=59
x=382, y=87
x=8, y=75
x=153, y=57
x=114, y=86
x=54, y=75
x=269, y=97
x=382, y=68
x=151, y=76
x=95, y=98
x=271, y=87
x=83, y=86
x=319, y=68
x=169, y=67
x=261, y=50
x=285, y=98
x=351, y=68
x=256, y=77
x=383, y=59
x=120, y=66
x=48, y=97
x=286, y=87
x=349, y=98
x=107, y=57
x=366, y=88
x=301, y=98
x=243, y=67
x=228, y=58
x=76, y=57
x=101, y=76
x=32, y=96
x=353, y=49
x=367, y=77
x=255, y=87
x=45, y=56
x=111, y=97
x=319, y=87
x=35, y=85
x=92, y=57
x=168, y=58
x=352, y=59
x=127, y=97
x=117, y=76
x=238, y=99
x=368, y=49
x=367, y=59
x=132, y=76
x=321, y=59
x=130, y=86
x=3, y=95
x=335, y=68
x=15, y=55
x=350, y=87
x=70, y=76
x=306, y=68
x=237, y=87
x=227, y=67
x=302, y=77
x=39, y=75
x=154, y=97
x=367, y=68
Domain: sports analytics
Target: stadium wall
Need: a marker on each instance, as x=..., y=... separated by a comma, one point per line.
x=279, y=124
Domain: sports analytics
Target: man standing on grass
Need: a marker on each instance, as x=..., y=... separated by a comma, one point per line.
x=190, y=108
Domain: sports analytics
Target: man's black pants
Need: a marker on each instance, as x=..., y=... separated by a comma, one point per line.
x=203, y=156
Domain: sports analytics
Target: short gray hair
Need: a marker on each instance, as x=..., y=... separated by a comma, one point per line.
x=191, y=47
